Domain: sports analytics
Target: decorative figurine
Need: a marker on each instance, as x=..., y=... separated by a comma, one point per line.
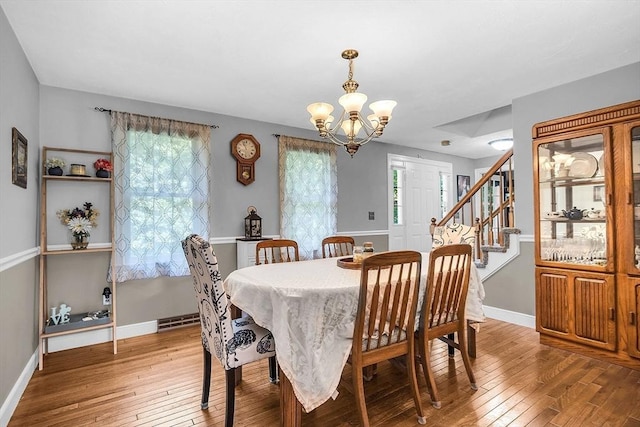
x=62, y=317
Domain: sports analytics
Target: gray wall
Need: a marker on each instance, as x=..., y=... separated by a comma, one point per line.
x=18, y=211
x=513, y=288
x=602, y=90
x=68, y=119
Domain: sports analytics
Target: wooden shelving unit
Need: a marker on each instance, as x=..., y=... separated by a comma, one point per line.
x=56, y=186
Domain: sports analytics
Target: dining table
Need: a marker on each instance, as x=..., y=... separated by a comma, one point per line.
x=310, y=308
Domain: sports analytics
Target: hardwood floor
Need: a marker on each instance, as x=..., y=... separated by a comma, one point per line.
x=155, y=380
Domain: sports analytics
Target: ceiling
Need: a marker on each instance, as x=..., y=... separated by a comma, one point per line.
x=453, y=66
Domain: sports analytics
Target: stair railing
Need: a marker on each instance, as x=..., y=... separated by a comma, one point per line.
x=488, y=206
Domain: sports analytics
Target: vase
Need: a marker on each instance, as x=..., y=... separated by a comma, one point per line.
x=57, y=171
x=101, y=173
x=80, y=241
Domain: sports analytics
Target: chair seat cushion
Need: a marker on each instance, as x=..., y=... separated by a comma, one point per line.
x=396, y=335
x=250, y=342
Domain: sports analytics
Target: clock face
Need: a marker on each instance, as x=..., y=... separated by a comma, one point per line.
x=246, y=148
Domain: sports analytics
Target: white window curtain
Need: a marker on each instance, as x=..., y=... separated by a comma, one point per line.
x=308, y=193
x=161, y=172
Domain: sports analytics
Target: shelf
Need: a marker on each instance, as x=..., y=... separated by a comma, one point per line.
x=76, y=323
x=75, y=251
x=75, y=178
x=573, y=221
x=569, y=181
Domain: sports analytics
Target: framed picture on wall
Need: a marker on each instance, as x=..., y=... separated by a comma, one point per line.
x=464, y=185
x=19, y=158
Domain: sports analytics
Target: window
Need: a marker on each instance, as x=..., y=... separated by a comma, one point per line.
x=445, y=185
x=162, y=193
x=398, y=196
x=308, y=193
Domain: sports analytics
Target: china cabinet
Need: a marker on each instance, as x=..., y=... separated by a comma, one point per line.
x=587, y=232
x=93, y=302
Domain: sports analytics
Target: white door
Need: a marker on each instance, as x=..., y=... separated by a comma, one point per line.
x=415, y=198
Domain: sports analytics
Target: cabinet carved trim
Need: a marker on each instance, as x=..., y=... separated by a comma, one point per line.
x=590, y=119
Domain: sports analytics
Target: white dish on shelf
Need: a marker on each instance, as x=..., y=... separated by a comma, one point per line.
x=601, y=165
x=635, y=156
x=584, y=165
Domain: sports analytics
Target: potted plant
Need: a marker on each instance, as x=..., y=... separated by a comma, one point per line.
x=54, y=166
x=103, y=168
x=80, y=222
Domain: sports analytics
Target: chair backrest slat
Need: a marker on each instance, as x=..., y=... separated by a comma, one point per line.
x=276, y=250
x=387, y=305
x=334, y=246
x=447, y=285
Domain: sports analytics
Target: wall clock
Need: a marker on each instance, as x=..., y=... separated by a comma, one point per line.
x=246, y=149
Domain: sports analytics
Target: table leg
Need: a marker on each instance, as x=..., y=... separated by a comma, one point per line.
x=471, y=340
x=290, y=407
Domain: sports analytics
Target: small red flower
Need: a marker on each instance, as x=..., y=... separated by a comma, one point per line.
x=103, y=164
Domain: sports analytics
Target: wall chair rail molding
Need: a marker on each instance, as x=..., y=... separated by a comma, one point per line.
x=15, y=259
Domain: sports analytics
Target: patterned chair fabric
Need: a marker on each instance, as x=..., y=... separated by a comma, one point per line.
x=234, y=342
x=451, y=234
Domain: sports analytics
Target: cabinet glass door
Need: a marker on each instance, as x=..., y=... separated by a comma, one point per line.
x=572, y=205
x=635, y=164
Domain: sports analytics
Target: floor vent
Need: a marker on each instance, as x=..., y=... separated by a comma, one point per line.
x=178, y=321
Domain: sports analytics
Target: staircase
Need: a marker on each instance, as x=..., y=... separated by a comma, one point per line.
x=489, y=208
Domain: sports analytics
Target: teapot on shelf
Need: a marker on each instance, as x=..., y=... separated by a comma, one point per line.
x=574, y=213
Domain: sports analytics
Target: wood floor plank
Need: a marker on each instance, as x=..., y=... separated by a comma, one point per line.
x=155, y=380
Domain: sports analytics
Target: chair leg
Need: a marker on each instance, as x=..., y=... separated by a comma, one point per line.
x=206, y=379
x=358, y=392
x=462, y=343
x=428, y=372
x=413, y=382
x=231, y=397
x=273, y=370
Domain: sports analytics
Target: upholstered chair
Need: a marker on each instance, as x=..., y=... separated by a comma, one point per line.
x=234, y=342
x=452, y=233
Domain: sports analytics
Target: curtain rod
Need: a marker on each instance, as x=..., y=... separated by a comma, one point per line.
x=105, y=110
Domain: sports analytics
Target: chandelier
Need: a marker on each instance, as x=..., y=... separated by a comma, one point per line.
x=356, y=131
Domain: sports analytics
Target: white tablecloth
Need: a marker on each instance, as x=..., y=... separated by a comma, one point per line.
x=310, y=307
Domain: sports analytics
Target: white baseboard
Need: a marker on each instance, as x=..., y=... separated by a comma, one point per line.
x=510, y=316
x=81, y=339
x=11, y=402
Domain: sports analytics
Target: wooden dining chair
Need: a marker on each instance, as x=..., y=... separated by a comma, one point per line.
x=385, y=320
x=234, y=342
x=450, y=234
x=443, y=309
x=334, y=246
x=276, y=250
